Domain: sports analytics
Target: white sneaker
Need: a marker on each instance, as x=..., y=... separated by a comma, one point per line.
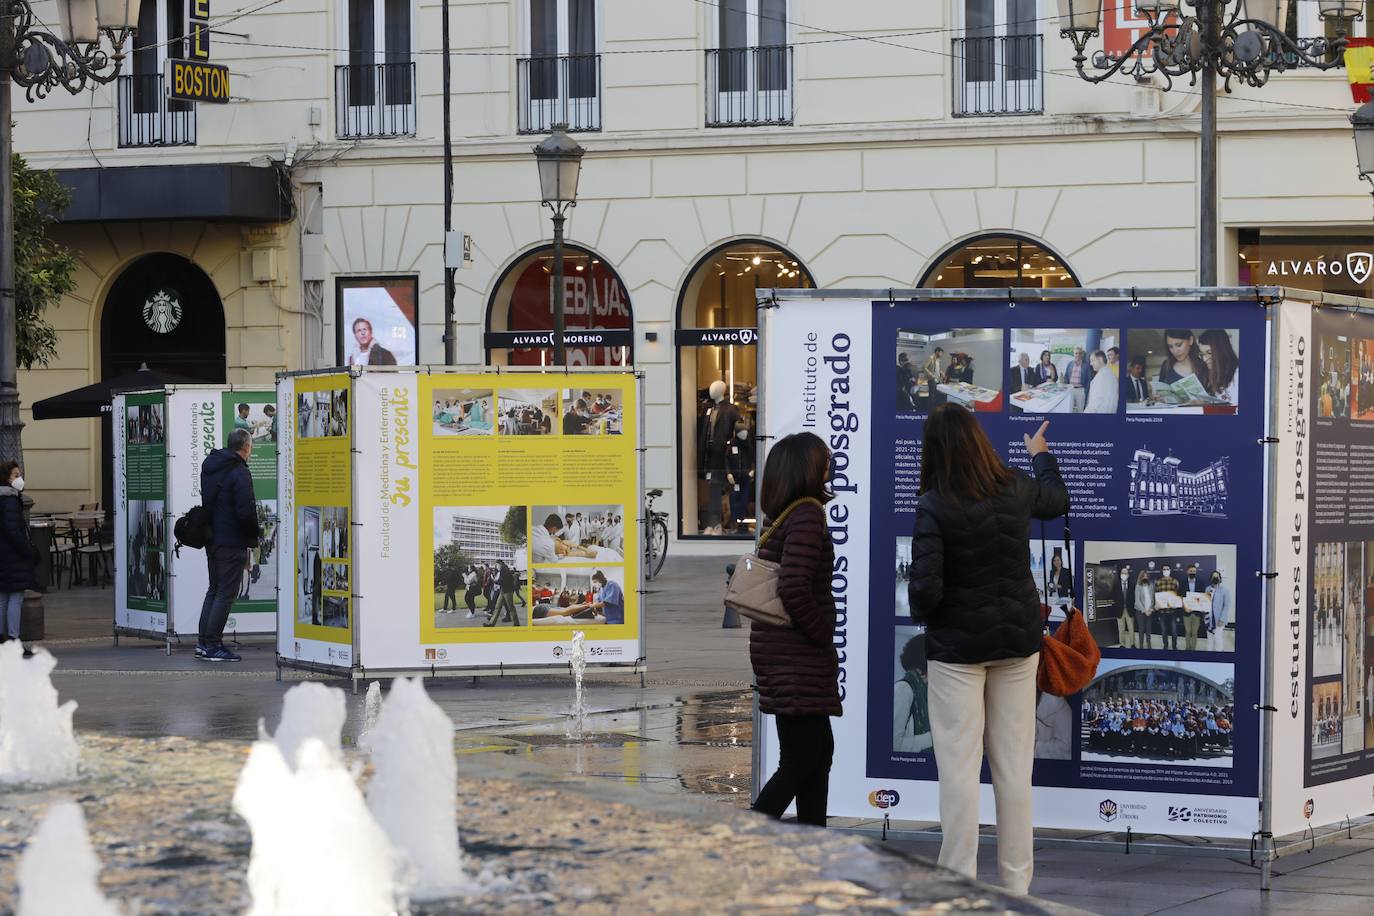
x=471, y=615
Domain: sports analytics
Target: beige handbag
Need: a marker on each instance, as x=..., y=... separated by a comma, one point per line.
x=753, y=588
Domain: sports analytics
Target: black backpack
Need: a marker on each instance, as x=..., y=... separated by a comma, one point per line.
x=194, y=529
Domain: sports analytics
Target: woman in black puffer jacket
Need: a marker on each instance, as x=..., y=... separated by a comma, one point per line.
x=796, y=667
x=18, y=559
x=971, y=585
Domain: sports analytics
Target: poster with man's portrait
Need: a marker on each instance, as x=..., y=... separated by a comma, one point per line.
x=377, y=319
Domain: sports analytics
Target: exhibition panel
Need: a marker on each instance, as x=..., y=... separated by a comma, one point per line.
x=477, y=520
x=1159, y=415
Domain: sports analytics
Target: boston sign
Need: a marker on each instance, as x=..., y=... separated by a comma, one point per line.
x=197, y=80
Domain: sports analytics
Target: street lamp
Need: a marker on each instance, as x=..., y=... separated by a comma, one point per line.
x=40, y=61
x=1363, y=123
x=1216, y=39
x=560, y=164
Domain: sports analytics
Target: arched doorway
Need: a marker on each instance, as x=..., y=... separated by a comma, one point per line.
x=163, y=311
x=596, y=306
x=999, y=261
x=716, y=349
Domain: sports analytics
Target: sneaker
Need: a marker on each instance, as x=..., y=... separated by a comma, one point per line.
x=28, y=653
x=201, y=651
x=471, y=615
x=221, y=654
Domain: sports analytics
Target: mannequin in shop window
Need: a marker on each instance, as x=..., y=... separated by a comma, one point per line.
x=739, y=467
x=716, y=434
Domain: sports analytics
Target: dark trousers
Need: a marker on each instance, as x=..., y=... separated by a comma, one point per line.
x=471, y=598
x=806, y=747
x=739, y=500
x=504, y=610
x=450, y=599
x=225, y=565
x=715, y=488
x=1169, y=627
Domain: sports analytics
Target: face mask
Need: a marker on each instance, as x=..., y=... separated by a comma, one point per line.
x=18, y=484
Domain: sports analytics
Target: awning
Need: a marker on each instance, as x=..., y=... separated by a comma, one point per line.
x=94, y=400
x=213, y=192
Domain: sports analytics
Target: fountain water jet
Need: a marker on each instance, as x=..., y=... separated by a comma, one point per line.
x=310, y=710
x=36, y=741
x=413, y=793
x=316, y=848
x=372, y=708
x=58, y=872
x=577, y=721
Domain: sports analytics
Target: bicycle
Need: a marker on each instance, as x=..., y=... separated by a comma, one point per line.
x=656, y=537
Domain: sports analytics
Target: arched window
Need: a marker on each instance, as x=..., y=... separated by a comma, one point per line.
x=999, y=262
x=718, y=383
x=594, y=300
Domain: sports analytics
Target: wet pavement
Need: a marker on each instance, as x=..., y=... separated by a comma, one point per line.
x=666, y=764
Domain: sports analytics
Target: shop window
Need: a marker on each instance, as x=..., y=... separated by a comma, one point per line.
x=595, y=305
x=718, y=384
x=999, y=262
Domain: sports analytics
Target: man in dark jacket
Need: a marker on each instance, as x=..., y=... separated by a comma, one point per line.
x=226, y=487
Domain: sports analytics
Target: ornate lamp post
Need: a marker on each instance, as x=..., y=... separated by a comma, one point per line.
x=1363, y=123
x=40, y=61
x=1204, y=39
x=560, y=165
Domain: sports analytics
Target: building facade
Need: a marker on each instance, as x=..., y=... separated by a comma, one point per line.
x=1159, y=486
x=731, y=145
x=480, y=539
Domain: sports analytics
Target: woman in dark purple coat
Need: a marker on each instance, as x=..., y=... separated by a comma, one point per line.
x=796, y=667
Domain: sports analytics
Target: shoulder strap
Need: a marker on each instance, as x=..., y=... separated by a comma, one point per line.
x=783, y=517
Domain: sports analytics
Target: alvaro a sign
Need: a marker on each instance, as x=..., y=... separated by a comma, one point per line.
x=1356, y=265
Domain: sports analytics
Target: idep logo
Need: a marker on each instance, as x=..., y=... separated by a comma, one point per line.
x=1180, y=814
x=1108, y=810
x=884, y=798
x=1307, y=808
x=557, y=651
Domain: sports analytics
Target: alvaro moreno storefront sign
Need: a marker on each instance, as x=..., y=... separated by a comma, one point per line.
x=1356, y=265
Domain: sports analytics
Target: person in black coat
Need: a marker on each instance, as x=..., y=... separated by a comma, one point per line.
x=226, y=487
x=1022, y=375
x=971, y=585
x=18, y=558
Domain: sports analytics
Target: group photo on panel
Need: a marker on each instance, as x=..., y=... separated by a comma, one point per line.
x=959, y=365
x=1186, y=370
x=480, y=569
x=1172, y=597
x=575, y=534
x=1064, y=370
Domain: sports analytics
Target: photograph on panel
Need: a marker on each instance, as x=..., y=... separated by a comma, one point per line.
x=579, y=596
x=592, y=412
x=1064, y=370
x=146, y=575
x=259, y=419
x=322, y=414
x=1362, y=381
x=903, y=576
x=260, y=575
x=321, y=590
x=959, y=365
x=1330, y=600
x=464, y=411
x=1366, y=685
x=1159, y=712
x=1161, y=483
x=527, y=411
x=1328, y=723
x=143, y=425
x=1335, y=392
x=1052, y=568
x=576, y=534
x=1170, y=597
x=1353, y=664
x=910, y=693
x=479, y=566
x=1183, y=370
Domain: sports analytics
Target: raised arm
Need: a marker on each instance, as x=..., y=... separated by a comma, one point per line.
x=1050, y=498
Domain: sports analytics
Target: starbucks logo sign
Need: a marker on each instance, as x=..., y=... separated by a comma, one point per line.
x=162, y=311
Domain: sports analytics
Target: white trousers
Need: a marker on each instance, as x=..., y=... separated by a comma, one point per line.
x=973, y=708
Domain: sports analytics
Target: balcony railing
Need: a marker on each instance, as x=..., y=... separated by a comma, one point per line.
x=148, y=118
x=998, y=76
x=749, y=86
x=559, y=90
x=375, y=100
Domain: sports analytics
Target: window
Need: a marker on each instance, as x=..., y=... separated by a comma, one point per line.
x=376, y=87
x=999, y=262
x=997, y=60
x=146, y=116
x=560, y=82
x=749, y=75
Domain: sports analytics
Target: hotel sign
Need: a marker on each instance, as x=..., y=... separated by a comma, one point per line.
x=197, y=80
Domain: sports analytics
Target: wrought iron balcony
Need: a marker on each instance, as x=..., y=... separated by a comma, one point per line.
x=559, y=90
x=749, y=86
x=148, y=118
x=999, y=76
x=375, y=100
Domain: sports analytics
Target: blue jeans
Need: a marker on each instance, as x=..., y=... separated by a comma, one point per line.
x=225, y=566
x=11, y=607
